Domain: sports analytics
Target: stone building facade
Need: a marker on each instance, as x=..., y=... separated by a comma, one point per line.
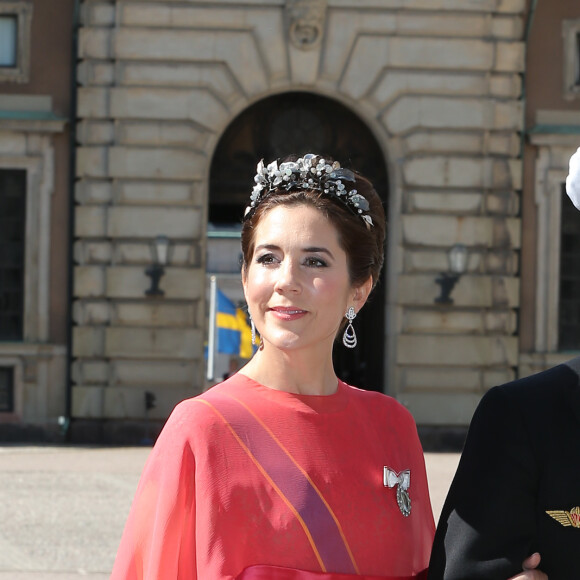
x=438, y=84
x=464, y=114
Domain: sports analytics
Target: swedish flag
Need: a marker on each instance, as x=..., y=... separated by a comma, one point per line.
x=234, y=335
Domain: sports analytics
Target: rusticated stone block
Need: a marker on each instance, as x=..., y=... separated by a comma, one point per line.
x=448, y=409
x=93, y=192
x=395, y=83
x=89, y=281
x=235, y=47
x=480, y=351
x=470, y=291
x=191, y=104
x=89, y=312
x=506, y=232
x=90, y=221
x=439, y=230
x=437, y=260
x=88, y=402
x=153, y=343
x=504, y=203
x=88, y=372
x=505, y=86
x=88, y=341
x=507, y=27
x=505, y=292
x=96, y=132
x=154, y=163
x=140, y=373
x=154, y=314
x=439, y=24
x=131, y=282
x=492, y=378
x=448, y=203
x=444, y=142
x=96, y=73
x=95, y=43
x=91, y=162
x=439, y=171
x=98, y=14
x=503, y=322
x=440, y=322
x=92, y=252
x=509, y=56
x=511, y=6
x=444, y=53
x=139, y=253
x=214, y=76
x=136, y=221
x=504, y=262
x=430, y=112
x=93, y=102
x=440, y=379
x=159, y=192
x=129, y=402
x=162, y=134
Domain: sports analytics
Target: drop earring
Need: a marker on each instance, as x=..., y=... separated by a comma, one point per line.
x=253, y=327
x=349, y=336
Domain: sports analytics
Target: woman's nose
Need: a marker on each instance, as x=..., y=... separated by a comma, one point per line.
x=288, y=277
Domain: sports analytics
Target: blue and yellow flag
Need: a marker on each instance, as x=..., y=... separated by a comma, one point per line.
x=234, y=335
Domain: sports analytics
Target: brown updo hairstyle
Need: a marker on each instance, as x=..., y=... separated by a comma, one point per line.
x=364, y=247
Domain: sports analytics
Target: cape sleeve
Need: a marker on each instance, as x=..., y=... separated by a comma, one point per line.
x=159, y=536
x=487, y=525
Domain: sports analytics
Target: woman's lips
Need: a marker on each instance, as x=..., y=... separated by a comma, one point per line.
x=286, y=313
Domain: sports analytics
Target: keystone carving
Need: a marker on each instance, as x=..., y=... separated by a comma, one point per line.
x=305, y=22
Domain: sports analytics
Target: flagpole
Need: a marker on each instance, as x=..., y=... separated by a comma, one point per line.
x=211, y=340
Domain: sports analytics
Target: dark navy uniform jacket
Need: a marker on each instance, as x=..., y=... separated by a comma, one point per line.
x=517, y=486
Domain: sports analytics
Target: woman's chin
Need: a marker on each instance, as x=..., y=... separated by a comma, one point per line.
x=285, y=341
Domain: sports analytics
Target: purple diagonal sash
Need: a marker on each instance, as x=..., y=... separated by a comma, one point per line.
x=291, y=482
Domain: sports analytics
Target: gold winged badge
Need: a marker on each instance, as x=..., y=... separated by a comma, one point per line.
x=571, y=518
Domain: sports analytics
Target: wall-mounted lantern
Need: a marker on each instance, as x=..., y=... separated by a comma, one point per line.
x=457, y=266
x=159, y=254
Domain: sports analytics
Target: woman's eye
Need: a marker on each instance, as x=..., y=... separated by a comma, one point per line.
x=315, y=263
x=266, y=259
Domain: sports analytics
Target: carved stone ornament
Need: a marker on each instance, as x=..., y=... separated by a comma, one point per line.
x=305, y=22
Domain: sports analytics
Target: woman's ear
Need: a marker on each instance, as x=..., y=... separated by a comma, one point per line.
x=361, y=293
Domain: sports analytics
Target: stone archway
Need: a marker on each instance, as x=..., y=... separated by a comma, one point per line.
x=300, y=122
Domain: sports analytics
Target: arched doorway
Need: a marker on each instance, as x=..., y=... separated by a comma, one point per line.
x=299, y=123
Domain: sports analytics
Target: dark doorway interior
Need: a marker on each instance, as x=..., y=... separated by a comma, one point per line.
x=12, y=247
x=304, y=123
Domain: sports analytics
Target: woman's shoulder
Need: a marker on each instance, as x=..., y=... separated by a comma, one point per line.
x=194, y=422
x=377, y=402
x=199, y=408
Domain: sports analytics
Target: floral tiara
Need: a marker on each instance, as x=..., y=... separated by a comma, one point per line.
x=312, y=173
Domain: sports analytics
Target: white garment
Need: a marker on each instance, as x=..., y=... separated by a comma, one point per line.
x=573, y=179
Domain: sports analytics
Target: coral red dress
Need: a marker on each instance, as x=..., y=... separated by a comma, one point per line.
x=252, y=483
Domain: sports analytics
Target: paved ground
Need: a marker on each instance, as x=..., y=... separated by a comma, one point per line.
x=62, y=509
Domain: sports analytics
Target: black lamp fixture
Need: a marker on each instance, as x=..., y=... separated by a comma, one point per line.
x=457, y=265
x=159, y=254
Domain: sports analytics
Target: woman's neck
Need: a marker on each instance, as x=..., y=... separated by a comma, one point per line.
x=299, y=371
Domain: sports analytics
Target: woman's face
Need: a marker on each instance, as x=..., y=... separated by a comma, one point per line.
x=297, y=283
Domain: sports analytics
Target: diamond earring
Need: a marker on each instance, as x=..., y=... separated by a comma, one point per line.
x=253, y=327
x=349, y=336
